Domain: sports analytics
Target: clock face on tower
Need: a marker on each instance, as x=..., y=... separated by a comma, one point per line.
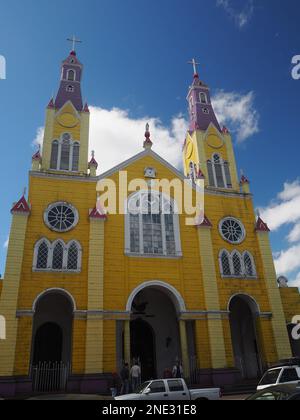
x=67, y=120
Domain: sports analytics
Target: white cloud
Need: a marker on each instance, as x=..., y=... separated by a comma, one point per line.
x=115, y=136
x=238, y=113
x=242, y=16
x=295, y=282
x=285, y=211
x=38, y=140
x=288, y=260
x=5, y=245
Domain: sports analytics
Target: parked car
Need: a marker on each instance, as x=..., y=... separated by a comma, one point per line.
x=286, y=372
x=171, y=390
x=278, y=393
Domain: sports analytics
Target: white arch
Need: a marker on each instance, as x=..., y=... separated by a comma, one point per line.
x=54, y=290
x=164, y=287
x=254, y=306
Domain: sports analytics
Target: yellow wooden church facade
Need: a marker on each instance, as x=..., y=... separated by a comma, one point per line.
x=86, y=290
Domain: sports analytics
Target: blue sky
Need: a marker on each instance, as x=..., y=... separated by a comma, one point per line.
x=135, y=54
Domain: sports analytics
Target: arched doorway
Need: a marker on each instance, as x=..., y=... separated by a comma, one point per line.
x=51, y=354
x=243, y=314
x=143, y=349
x=154, y=329
x=295, y=344
x=48, y=344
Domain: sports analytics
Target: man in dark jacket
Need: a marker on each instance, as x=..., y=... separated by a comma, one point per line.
x=125, y=374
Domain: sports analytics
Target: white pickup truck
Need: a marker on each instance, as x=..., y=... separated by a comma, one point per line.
x=281, y=374
x=170, y=390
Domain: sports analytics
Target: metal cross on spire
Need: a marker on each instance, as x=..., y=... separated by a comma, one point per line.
x=195, y=64
x=74, y=42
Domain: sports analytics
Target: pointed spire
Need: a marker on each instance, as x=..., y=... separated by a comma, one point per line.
x=70, y=84
x=200, y=107
x=21, y=206
x=98, y=212
x=93, y=162
x=200, y=174
x=37, y=156
x=148, y=143
x=261, y=226
x=205, y=222
x=86, y=108
x=51, y=103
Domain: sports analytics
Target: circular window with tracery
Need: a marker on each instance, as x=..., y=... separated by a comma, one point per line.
x=232, y=230
x=61, y=217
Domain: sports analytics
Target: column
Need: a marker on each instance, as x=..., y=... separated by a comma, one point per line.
x=127, y=344
x=11, y=283
x=215, y=326
x=94, y=328
x=280, y=332
x=184, y=349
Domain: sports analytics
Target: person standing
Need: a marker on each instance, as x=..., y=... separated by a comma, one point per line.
x=135, y=374
x=178, y=370
x=125, y=373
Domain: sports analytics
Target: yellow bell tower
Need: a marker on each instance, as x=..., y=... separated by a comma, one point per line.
x=65, y=144
x=208, y=150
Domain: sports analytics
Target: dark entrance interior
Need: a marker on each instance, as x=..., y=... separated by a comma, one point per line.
x=143, y=347
x=48, y=344
x=243, y=312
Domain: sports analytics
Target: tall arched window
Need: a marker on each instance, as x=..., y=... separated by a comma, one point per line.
x=71, y=75
x=203, y=98
x=58, y=256
x=42, y=256
x=250, y=270
x=219, y=172
x=75, y=157
x=54, y=155
x=237, y=264
x=65, y=154
x=152, y=225
x=73, y=256
x=225, y=263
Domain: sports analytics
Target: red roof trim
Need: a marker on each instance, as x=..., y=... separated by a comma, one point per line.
x=261, y=226
x=205, y=222
x=97, y=214
x=21, y=206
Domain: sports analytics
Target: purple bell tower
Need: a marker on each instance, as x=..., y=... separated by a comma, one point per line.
x=70, y=83
x=200, y=108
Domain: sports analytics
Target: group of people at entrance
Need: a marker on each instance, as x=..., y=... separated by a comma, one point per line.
x=131, y=378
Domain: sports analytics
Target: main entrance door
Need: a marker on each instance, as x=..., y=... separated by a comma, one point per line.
x=154, y=332
x=51, y=342
x=143, y=347
x=243, y=312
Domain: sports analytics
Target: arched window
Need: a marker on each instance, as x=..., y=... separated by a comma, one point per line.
x=73, y=256
x=42, y=256
x=219, y=172
x=75, y=157
x=237, y=264
x=54, y=154
x=225, y=263
x=203, y=98
x=152, y=225
x=58, y=256
x=71, y=75
x=65, y=154
x=250, y=270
